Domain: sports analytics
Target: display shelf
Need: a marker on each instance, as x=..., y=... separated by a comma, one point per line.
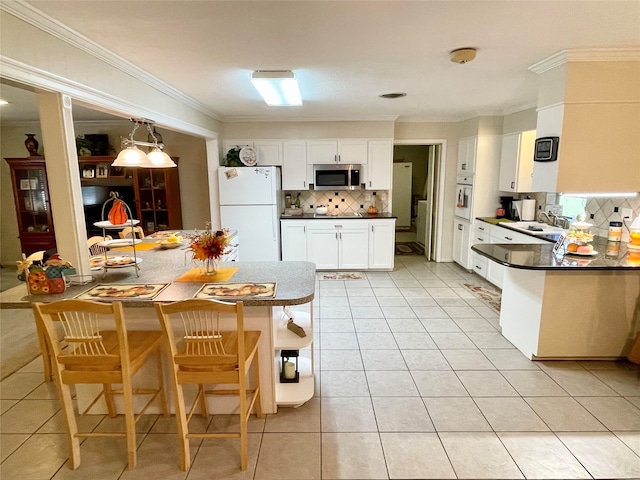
x=296, y=394
x=286, y=339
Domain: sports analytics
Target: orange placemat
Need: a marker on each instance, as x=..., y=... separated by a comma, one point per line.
x=196, y=275
x=139, y=246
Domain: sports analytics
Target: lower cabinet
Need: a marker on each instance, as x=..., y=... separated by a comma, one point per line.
x=462, y=243
x=340, y=244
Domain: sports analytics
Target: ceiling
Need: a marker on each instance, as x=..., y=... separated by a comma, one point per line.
x=346, y=53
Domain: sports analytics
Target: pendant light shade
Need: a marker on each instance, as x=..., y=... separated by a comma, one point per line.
x=132, y=156
x=159, y=159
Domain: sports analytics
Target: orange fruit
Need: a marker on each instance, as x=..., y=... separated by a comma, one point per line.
x=572, y=247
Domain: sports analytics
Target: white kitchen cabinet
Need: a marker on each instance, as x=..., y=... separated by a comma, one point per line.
x=379, y=166
x=516, y=162
x=293, y=234
x=269, y=152
x=461, y=243
x=322, y=152
x=479, y=263
x=382, y=243
x=338, y=244
x=467, y=149
x=294, y=165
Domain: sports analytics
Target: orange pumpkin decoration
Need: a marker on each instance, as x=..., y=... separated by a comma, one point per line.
x=118, y=214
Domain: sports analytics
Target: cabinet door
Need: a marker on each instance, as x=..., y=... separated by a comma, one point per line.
x=294, y=240
x=294, y=169
x=461, y=240
x=380, y=163
x=268, y=152
x=381, y=243
x=321, y=152
x=322, y=246
x=467, y=148
x=509, y=162
x=354, y=246
x=352, y=152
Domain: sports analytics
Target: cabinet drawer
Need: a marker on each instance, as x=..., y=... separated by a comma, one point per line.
x=479, y=264
x=480, y=236
x=504, y=235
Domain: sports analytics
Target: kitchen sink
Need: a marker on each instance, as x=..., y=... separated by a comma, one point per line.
x=535, y=228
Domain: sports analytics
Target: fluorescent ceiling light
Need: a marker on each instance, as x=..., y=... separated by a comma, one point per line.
x=278, y=88
x=600, y=195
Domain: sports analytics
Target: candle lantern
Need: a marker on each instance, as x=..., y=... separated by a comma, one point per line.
x=289, y=366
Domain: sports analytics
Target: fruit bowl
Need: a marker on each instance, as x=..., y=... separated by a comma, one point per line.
x=171, y=242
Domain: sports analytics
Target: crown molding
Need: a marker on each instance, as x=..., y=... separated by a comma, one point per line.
x=624, y=54
x=40, y=79
x=255, y=119
x=38, y=19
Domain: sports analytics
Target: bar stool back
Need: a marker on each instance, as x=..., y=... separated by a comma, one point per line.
x=86, y=353
x=201, y=353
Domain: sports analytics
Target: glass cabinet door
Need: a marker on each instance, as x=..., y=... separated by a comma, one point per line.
x=32, y=200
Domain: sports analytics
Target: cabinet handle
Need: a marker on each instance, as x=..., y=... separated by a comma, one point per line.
x=481, y=228
x=480, y=239
x=459, y=226
x=369, y=182
x=335, y=158
x=336, y=235
x=513, y=184
x=338, y=226
x=304, y=229
x=478, y=267
x=508, y=238
x=340, y=235
x=372, y=228
x=304, y=184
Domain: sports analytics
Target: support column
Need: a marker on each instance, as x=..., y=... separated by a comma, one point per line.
x=65, y=191
x=213, y=162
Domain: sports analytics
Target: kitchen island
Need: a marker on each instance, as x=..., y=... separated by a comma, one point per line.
x=567, y=306
x=295, y=284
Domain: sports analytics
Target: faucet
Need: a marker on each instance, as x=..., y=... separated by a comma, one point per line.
x=542, y=215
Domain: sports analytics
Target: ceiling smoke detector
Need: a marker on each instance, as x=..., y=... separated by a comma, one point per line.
x=462, y=55
x=393, y=95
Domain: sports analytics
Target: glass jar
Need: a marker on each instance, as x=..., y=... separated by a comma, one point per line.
x=615, y=231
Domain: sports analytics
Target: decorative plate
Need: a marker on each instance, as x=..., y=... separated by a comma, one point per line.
x=120, y=242
x=248, y=156
x=121, y=262
x=108, y=224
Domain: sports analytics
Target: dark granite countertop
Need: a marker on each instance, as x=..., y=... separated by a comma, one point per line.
x=295, y=280
x=314, y=216
x=540, y=257
x=503, y=222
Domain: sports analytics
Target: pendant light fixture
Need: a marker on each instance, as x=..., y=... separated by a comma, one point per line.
x=132, y=156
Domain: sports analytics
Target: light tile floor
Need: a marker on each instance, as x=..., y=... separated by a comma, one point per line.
x=413, y=381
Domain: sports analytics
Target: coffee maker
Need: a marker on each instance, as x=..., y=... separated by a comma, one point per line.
x=507, y=205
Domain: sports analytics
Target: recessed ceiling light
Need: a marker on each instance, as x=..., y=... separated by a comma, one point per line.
x=393, y=95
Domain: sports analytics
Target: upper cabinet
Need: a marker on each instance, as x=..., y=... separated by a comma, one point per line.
x=379, y=168
x=294, y=165
x=322, y=152
x=268, y=152
x=467, y=148
x=516, y=162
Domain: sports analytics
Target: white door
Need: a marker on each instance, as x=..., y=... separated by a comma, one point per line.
x=381, y=243
x=402, y=173
x=258, y=229
x=294, y=170
x=322, y=247
x=247, y=185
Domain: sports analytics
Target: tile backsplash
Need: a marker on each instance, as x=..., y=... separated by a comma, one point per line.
x=342, y=202
x=601, y=208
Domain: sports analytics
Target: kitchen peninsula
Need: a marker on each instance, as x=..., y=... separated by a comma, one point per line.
x=567, y=306
x=295, y=282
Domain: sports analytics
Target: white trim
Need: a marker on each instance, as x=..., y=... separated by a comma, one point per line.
x=29, y=75
x=262, y=119
x=628, y=54
x=441, y=183
x=40, y=20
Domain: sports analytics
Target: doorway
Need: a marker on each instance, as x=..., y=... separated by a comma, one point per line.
x=417, y=201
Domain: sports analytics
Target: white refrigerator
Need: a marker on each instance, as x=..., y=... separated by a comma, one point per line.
x=250, y=202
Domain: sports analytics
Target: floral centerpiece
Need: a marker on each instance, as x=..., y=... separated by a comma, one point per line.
x=209, y=246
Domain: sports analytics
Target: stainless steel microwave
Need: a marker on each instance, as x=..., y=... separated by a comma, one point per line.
x=336, y=177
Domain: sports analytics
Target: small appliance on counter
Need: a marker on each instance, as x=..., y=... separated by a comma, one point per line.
x=525, y=209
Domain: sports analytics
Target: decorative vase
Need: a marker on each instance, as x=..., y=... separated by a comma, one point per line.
x=210, y=266
x=32, y=144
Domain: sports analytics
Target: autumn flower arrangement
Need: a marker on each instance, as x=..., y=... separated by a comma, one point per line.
x=209, y=246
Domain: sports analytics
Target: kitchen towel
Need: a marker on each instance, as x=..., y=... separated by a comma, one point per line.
x=195, y=275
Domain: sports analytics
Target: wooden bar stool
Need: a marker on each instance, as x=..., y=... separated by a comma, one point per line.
x=86, y=353
x=201, y=353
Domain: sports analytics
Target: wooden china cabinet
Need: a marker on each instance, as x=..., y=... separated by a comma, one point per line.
x=33, y=208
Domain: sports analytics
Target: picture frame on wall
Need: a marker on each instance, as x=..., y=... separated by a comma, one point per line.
x=102, y=170
x=25, y=184
x=89, y=171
